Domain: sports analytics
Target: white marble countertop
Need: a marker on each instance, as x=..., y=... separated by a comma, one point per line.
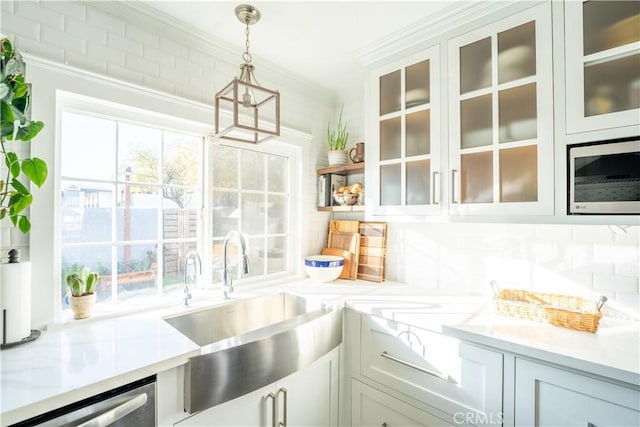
x=76, y=361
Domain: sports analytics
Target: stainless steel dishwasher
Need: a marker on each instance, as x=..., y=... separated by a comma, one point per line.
x=133, y=404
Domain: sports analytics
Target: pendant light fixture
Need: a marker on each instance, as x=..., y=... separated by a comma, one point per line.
x=255, y=110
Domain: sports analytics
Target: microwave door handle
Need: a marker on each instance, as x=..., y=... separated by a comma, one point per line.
x=117, y=413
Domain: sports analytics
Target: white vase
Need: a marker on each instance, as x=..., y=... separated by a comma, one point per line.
x=82, y=306
x=338, y=157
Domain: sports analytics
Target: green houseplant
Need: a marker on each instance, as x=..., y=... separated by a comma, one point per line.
x=337, y=140
x=82, y=287
x=15, y=100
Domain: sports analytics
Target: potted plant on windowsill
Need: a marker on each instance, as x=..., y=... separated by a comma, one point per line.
x=337, y=140
x=83, y=297
x=15, y=101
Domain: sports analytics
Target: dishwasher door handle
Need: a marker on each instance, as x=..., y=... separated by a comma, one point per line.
x=114, y=414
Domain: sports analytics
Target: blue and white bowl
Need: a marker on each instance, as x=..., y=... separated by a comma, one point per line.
x=324, y=268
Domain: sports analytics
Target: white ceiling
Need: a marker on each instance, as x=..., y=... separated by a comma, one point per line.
x=314, y=39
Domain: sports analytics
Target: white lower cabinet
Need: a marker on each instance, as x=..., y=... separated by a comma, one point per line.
x=373, y=408
x=308, y=397
x=550, y=396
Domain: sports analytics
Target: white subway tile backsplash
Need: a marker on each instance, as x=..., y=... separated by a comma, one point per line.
x=34, y=12
x=204, y=59
x=187, y=68
x=106, y=21
x=173, y=48
x=85, y=62
x=147, y=39
x=160, y=57
x=592, y=233
x=8, y=7
x=70, y=9
x=158, y=84
x=119, y=42
x=63, y=40
x=82, y=30
x=109, y=55
x=615, y=283
x=122, y=73
x=20, y=27
x=39, y=48
x=144, y=66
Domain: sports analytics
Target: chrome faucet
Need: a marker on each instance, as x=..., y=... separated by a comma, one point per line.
x=227, y=278
x=190, y=273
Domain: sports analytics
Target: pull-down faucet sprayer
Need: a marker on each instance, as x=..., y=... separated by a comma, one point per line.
x=227, y=278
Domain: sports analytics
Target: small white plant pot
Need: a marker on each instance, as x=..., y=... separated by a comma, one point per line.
x=338, y=157
x=82, y=306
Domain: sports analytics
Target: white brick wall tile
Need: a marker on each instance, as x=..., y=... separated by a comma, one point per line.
x=17, y=26
x=119, y=42
x=85, y=62
x=158, y=84
x=171, y=74
x=201, y=58
x=81, y=29
x=204, y=85
x=627, y=236
x=592, y=233
x=118, y=72
x=7, y=7
x=34, y=12
x=552, y=232
x=158, y=56
x=137, y=63
x=41, y=49
x=148, y=40
x=99, y=51
x=615, y=283
x=70, y=9
x=63, y=40
x=106, y=21
x=629, y=268
x=173, y=48
x=630, y=301
x=188, y=67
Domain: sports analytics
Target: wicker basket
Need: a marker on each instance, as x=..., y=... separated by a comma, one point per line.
x=559, y=310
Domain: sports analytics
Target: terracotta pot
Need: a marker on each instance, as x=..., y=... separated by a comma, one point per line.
x=338, y=157
x=82, y=306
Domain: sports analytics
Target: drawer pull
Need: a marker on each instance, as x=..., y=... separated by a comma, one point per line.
x=416, y=367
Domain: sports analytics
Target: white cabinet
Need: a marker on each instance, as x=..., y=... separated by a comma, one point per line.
x=373, y=408
x=437, y=370
x=404, y=160
x=501, y=117
x=602, y=55
x=308, y=397
x=549, y=396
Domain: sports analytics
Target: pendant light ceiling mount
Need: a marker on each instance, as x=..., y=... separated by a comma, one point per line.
x=255, y=110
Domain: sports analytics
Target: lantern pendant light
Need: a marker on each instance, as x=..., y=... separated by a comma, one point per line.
x=255, y=110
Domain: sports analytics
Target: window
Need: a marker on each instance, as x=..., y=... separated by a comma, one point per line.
x=130, y=203
x=250, y=193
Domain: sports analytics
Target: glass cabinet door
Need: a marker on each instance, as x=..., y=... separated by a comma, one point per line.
x=602, y=64
x=406, y=175
x=501, y=152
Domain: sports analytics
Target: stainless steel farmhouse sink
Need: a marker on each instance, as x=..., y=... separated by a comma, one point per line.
x=249, y=343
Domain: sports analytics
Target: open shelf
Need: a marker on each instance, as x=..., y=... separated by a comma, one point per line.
x=348, y=169
x=354, y=208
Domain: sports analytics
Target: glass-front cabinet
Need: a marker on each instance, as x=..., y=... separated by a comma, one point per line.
x=602, y=50
x=501, y=117
x=406, y=156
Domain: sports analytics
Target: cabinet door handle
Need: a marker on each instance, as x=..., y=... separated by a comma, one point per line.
x=414, y=366
x=272, y=396
x=455, y=187
x=283, y=423
x=435, y=190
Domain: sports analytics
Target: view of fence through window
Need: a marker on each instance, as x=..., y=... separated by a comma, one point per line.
x=129, y=204
x=250, y=194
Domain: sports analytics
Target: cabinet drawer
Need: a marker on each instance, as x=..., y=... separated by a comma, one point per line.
x=548, y=396
x=371, y=407
x=438, y=370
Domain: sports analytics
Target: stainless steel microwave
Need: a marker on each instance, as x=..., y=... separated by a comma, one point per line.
x=604, y=178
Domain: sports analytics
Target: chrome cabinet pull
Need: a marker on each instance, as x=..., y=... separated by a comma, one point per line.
x=435, y=190
x=416, y=367
x=272, y=396
x=117, y=413
x=283, y=423
x=455, y=198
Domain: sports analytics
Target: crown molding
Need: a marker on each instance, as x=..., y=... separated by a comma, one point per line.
x=431, y=27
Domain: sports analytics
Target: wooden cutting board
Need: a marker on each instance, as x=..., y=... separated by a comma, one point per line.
x=346, y=269
x=346, y=226
x=349, y=242
x=373, y=249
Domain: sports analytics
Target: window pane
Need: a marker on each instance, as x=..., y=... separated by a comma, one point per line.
x=173, y=264
x=252, y=166
x=477, y=177
x=87, y=157
x=179, y=223
x=390, y=138
x=276, y=253
x=256, y=249
x=86, y=211
x=225, y=213
x=278, y=176
x=137, y=271
x=225, y=166
x=138, y=153
x=277, y=214
x=519, y=174
x=418, y=183
x=95, y=258
x=253, y=214
x=180, y=159
x=390, y=93
x=390, y=185
x=138, y=208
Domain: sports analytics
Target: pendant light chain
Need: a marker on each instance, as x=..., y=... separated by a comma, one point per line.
x=246, y=56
